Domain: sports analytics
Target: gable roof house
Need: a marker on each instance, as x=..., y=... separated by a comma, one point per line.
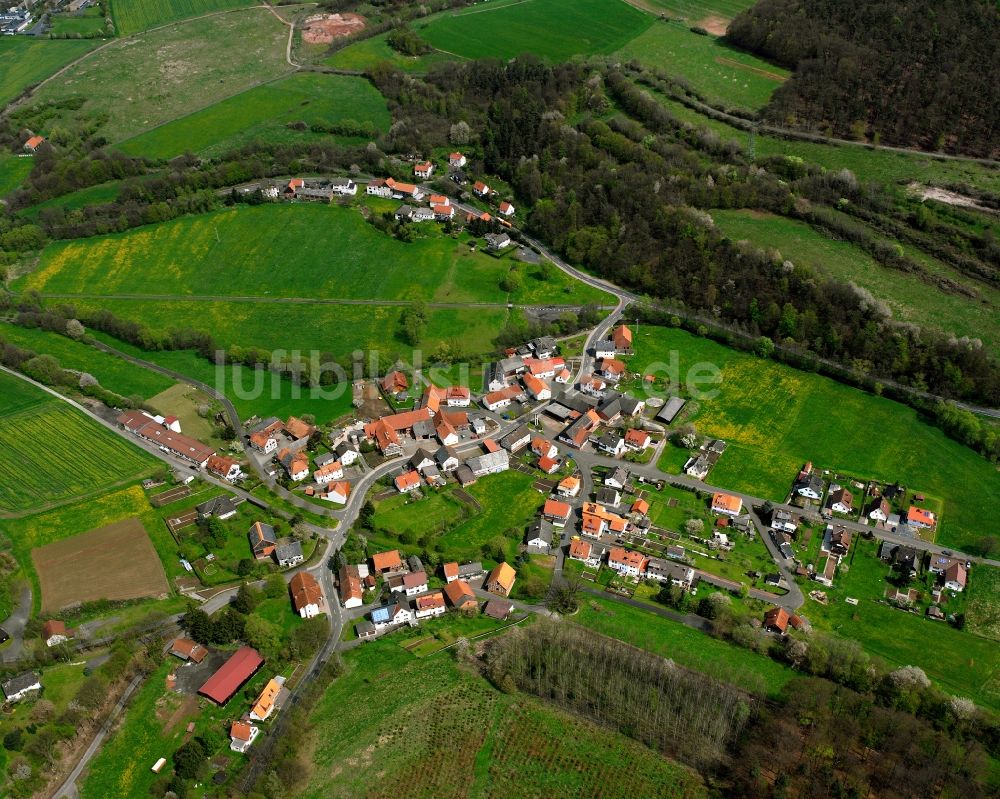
x=537, y=388
x=539, y=535
x=55, y=632
x=337, y=492
x=809, y=486
x=242, y=735
x=879, y=509
x=670, y=572
x=776, y=620
x=289, y=554
x=18, y=687
x=497, y=241
x=407, y=482
x=410, y=584
x=221, y=507
x=611, y=369
x=500, y=580
x=577, y=434
x=307, y=596
x=556, y=512
x=460, y=596
x=955, y=576
x=840, y=541
x=296, y=464
x=456, y=160
x=637, y=440
x=329, y=472
x=430, y=605
x=488, y=463
x=297, y=429
x=549, y=465
x=186, y=649
x=568, y=486
x=423, y=170
x=918, y=517
x=34, y=143
x=517, y=439
x=841, y=501
x=627, y=562
x=618, y=478
x=267, y=701
x=395, y=384
x=507, y=209
x=387, y=562
x=605, y=348
x=351, y=590
x=622, y=338
x=481, y=189
x=584, y=551
x=726, y=504
x=224, y=467
x=262, y=539
x=611, y=443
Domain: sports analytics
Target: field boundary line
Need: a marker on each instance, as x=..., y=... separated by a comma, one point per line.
x=110, y=488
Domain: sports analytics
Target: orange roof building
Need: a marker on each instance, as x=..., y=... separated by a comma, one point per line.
x=460, y=596
x=776, y=620
x=307, y=596
x=265, y=704
x=622, y=337
x=383, y=562
x=580, y=550
x=501, y=579
x=726, y=503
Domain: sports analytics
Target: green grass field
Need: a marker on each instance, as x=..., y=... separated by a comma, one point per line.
x=113, y=373
x=962, y=663
x=25, y=61
x=133, y=85
x=552, y=29
x=450, y=734
x=982, y=614
x=367, y=53
x=53, y=452
x=92, y=195
x=263, y=113
x=300, y=250
x=132, y=16
x=13, y=171
x=775, y=418
x=868, y=164
x=722, y=74
x=910, y=298
x=684, y=645
x=693, y=11
x=83, y=23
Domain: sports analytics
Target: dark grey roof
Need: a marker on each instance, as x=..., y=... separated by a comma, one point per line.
x=610, y=407
x=470, y=569
x=558, y=410
x=540, y=528
x=605, y=345
x=324, y=458
x=18, y=683
x=219, y=506
x=288, y=551
x=607, y=496
x=443, y=454
x=670, y=409
x=512, y=438
x=609, y=439
x=630, y=405
x=423, y=429
x=465, y=475
x=267, y=532
x=667, y=568
x=420, y=456
x=543, y=344
x=620, y=475
x=343, y=448
x=264, y=423
x=415, y=564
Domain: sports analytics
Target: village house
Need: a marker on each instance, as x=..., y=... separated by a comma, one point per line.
x=242, y=735
x=612, y=444
x=165, y=433
x=543, y=448
x=808, y=484
x=32, y=144
x=608, y=496
x=918, y=517
x=336, y=492
x=491, y=462
x=500, y=580
x=481, y=189
x=499, y=609
x=262, y=540
x=621, y=336
x=637, y=440
x=507, y=209
x=497, y=400
x=556, y=512
x=268, y=700
x=955, y=577
x=839, y=541
x=538, y=389
x=549, y=465
x=456, y=160
x=640, y=508
x=783, y=521
x=55, y=632
x=350, y=586
x=879, y=510
x=430, y=605
x=409, y=584
x=346, y=454
x=295, y=464
x=289, y=554
x=726, y=504
x=400, y=190
x=221, y=507
x=460, y=596
x=188, y=650
x=568, y=486
x=776, y=620
x=497, y=241
x=592, y=385
x=307, y=596
x=605, y=348
x=18, y=687
x=395, y=385
x=387, y=562
x=611, y=369
x=423, y=170
x=298, y=430
x=627, y=563
x=670, y=573
x=539, y=535
x=378, y=187
x=334, y=470
x=586, y=552
x=407, y=482
x=578, y=433
x=618, y=478
x=841, y=500
x=224, y=467
x=517, y=439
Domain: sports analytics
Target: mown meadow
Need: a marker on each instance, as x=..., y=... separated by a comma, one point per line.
x=132, y=16
x=26, y=61
x=775, y=418
x=265, y=113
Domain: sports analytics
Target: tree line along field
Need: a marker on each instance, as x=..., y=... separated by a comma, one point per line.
x=132, y=16
x=53, y=452
x=135, y=84
x=553, y=29
x=775, y=418
x=868, y=163
x=25, y=61
x=264, y=112
x=438, y=730
x=304, y=250
x=910, y=298
x=112, y=373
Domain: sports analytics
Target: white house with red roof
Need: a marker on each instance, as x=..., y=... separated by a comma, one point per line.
x=407, y=482
x=424, y=169
x=507, y=209
x=457, y=160
x=627, y=562
x=224, y=467
x=481, y=189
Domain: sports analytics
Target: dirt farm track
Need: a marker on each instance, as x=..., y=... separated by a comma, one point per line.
x=113, y=562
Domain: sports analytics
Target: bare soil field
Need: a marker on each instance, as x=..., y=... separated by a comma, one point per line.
x=117, y=561
x=714, y=24
x=324, y=28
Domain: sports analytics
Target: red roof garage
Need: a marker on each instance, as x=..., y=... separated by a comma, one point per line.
x=234, y=673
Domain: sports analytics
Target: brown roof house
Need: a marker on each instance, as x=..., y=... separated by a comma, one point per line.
x=262, y=539
x=186, y=649
x=55, y=632
x=500, y=580
x=307, y=596
x=460, y=596
x=776, y=620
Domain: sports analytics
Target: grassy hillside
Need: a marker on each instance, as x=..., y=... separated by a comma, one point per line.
x=264, y=112
x=133, y=85
x=722, y=74
x=132, y=16
x=438, y=730
x=26, y=61
x=775, y=418
x=910, y=298
x=552, y=29
x=53, y=452
x=368, y=52
x=13, y=170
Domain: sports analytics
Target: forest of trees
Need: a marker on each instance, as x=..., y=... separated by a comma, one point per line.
x=921, y=73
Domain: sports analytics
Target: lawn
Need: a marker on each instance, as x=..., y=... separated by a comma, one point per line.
x=365, y=54
x=722, y=74
x=25, y=61
x=80, y=23
x=302, y=250
x=457, y=530
x=53, y=452
x=867, y=163
x=113, y=373
x=278, y=397
x=553, y=29
x=264, y=113
x=910, y=298
x=684, y=645
x=775, y=418
x=960, y=662
x=451, y=734
x=13, y=171
x=982, y=614
x=132, y=16
x=133, y=85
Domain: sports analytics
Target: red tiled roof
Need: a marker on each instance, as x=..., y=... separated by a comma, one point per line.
x=459, y=593
x=408, y=480
x=234, y=672
x=450, y=569
x=305, y=590
x=554, y=507
x=387, y=560
x=580, y=550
